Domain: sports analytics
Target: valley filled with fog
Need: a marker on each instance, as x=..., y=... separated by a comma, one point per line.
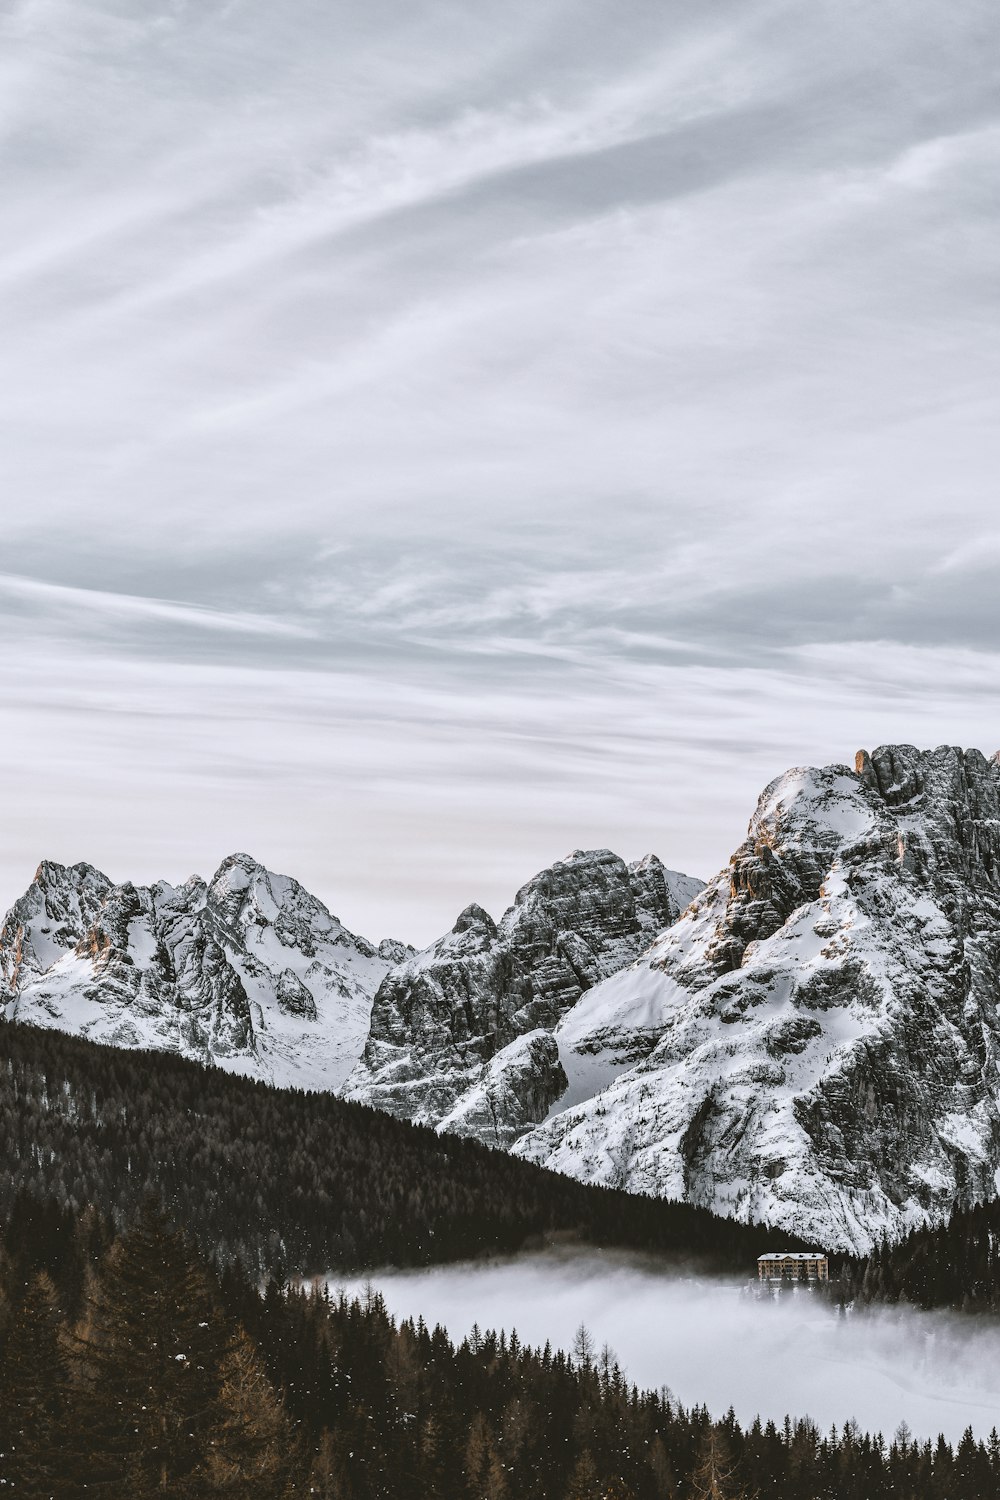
x=709, y=1341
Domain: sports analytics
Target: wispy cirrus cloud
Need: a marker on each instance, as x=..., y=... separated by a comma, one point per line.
x=456, y=437
x=80, y=611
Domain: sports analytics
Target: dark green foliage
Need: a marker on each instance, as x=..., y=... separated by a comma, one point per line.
x=145, y=1360
x=951, y=1265
x=33, y=1390
x=149, y=1390
x=284, y=1181
x=289, y=1392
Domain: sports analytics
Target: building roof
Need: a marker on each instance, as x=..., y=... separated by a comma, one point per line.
x=794, y=1255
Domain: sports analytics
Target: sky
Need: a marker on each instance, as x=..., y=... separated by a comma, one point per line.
x=708, y=1343
x=437, y=437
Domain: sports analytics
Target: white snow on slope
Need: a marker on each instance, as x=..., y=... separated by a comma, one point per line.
x=250, y=972
x=814, y=1042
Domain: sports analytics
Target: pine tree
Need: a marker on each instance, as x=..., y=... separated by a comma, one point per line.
x=583, y=1347
x=663, y=1472
x=584, y=1482
x=323, y=1473
x=715, y=1476
x=145, y=1364
x=483, y=1467
x=250, y=1447
x=32, y=1396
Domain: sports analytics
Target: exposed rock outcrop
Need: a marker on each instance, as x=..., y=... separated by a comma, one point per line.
x=443, y=1022
x=815, y=1043
x=514, y=1089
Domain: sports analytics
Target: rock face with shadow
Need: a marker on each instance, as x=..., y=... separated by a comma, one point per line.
x=461, y=1034
x=815, y=1043
x=248, y=972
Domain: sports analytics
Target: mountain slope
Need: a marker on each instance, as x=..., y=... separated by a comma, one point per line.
x=815, y=1042
x=249, y=972
x=286, y=1180
x=461, y=1033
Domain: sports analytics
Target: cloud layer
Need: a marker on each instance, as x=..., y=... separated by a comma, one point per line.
x=433, y=440
x=709, y=1342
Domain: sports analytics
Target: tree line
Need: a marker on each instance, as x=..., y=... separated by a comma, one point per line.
x=956, y=1265
x=287, y=1182
x=131, y=1367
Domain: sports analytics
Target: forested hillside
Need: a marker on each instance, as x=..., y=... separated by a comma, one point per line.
x=284, y=1181
x=150, y=1375
x=950, y=1265
x=287, y=1182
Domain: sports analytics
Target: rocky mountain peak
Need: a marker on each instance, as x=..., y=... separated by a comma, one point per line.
x=946, y=803
x=449, y=1022
x=232, y=881
x=55, y=884
x=242, y=891
x=816, y=1041
x=902, y=774
x=249, y=971
x=395, y=952
x=474, y=919
x=245, y=897
x=48, y=920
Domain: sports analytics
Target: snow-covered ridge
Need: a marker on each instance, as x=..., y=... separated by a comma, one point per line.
x=815, y=1042
x=248, y=971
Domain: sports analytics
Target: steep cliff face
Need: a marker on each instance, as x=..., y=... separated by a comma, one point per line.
x=249, y=972
x=815, y=1042
x=49, y=920
x=443, y=1024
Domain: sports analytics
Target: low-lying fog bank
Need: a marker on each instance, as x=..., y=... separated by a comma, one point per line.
x=710, y=1343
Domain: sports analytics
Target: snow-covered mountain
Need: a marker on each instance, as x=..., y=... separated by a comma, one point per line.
x=252, y=973
x=249, y=971
x=461, y=1034
x=816, y=1042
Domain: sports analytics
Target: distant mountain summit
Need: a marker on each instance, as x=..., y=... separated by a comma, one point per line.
x=253, y=974
x=461, y=1034
x=249, y=971
x=815, y=1043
